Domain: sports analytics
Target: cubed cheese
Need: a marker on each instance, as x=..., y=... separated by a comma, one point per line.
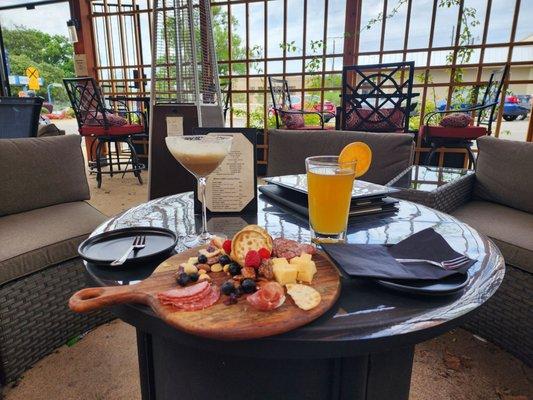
x=306, y=268
x=189, y=268
x=279, y=261
x=285, y=273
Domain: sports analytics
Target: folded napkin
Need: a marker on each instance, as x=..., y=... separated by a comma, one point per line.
x=379, y=261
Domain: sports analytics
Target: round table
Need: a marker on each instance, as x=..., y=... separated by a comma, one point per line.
x=361, y=349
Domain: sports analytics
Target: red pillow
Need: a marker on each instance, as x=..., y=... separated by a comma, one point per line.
x=292, y=120
x=456, y=120
x=356, y=119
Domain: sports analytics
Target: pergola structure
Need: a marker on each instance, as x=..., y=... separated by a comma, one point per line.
x=114, y=36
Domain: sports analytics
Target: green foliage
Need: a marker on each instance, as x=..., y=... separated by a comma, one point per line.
x=50, y=54
x=220, y=35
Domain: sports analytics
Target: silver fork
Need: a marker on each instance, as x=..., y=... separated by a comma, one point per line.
x=453, y=263
x=138, y=243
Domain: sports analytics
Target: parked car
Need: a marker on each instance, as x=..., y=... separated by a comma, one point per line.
x=312, y=103
x=515, y=106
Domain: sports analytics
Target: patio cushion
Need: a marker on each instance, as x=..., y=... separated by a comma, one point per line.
x=511, y=233
x=40, y=172
x=391, y=152
x=122, y=130
x=468, y=133
x=34, y=240
x=380, y=120
x=292, y=120
x=504, y=173
x=456, y=120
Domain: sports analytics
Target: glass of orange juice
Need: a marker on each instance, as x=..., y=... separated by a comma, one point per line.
x=329, y=186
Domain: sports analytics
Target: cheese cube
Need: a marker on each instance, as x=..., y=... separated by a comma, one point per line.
x=306, y=269
x=279, y=261
x=285, y=273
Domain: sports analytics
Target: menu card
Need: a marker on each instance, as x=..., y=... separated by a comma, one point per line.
x=231, y=188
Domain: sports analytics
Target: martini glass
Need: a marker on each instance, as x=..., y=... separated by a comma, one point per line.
x=200, y=155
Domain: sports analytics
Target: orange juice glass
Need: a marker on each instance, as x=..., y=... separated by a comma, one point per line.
x=329, y=186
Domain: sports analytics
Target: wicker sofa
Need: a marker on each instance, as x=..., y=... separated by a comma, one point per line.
x=500, y=205
x=43, y=219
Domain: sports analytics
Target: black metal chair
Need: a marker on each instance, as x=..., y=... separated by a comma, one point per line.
x=285, y=112
x=19, y=116
x=98, y=122
x=484, y=112
x=377, y=97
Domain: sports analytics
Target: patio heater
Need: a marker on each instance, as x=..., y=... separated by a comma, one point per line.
x=185, y=91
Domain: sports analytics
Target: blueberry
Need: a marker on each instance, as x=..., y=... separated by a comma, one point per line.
x=194, y=276
x=234, y=269
x=224, y=259
x=183, y=279
x=202, y=259
x=248, y=285
x=227, y=288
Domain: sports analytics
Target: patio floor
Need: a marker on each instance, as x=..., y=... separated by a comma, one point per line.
x=103, y=365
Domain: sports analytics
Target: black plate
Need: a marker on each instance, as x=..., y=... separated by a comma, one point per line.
x=102, y=249
x=443, y=287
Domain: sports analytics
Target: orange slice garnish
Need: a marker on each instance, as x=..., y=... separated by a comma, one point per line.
x=358, y=152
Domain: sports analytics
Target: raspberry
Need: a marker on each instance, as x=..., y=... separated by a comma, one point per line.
x=264, y=253
x=227, y=246
x=252, y=259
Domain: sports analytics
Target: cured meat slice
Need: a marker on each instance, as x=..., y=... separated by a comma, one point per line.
x=211, y=297
x=181, y=293
x=288, y=248
x=270, y=296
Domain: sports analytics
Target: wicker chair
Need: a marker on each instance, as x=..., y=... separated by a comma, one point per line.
x=496, y=200
x=43, y=219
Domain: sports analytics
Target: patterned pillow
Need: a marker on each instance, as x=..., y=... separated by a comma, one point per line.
x=356, y=119
x=112, y=120
x=456, y=120
x=292, y=120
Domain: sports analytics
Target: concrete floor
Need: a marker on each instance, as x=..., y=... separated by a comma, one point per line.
x=103, y=365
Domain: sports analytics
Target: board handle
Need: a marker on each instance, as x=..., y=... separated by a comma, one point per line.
x=91, y=299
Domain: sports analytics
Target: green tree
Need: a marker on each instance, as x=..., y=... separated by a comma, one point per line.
x=50, y=54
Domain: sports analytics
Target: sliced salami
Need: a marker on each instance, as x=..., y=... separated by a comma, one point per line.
x=288, y=248
x=180, y=293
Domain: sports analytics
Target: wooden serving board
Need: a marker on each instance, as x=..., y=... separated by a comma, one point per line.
x=234, y=322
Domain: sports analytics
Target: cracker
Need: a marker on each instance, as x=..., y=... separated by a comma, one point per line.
x=263, y=231
x=244, y=241
x=304, y=296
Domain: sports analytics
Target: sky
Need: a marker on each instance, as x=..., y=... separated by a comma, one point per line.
x=52, y=19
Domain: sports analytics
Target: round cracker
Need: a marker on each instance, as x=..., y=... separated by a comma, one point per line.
x=244, y=241
x=263, y=231
x=304, y=296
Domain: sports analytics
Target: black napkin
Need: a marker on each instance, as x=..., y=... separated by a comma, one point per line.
x=378, y=261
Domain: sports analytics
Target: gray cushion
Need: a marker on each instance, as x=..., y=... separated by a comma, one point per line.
x=504, y=172
x=510, y=229
x=287, y=151
x=40, y=172
x=34, y=240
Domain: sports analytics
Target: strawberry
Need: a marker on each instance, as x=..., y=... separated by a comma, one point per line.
x=227, y=246
x=252, y=259
x=264, y=253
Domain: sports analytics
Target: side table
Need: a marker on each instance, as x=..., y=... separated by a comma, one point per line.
x=440, y=188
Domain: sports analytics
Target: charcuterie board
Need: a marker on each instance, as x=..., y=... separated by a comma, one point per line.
x=238, y=321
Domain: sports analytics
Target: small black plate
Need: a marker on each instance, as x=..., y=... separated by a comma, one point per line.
x=442, y=287
x=102, y=249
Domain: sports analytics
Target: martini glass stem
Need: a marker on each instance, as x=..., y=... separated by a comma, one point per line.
x=204, y=235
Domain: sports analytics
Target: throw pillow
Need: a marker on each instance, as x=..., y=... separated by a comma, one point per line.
x=503, y=173
x=456, y=120
x=365, y=119
x=292, y=120
x=112, y=120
